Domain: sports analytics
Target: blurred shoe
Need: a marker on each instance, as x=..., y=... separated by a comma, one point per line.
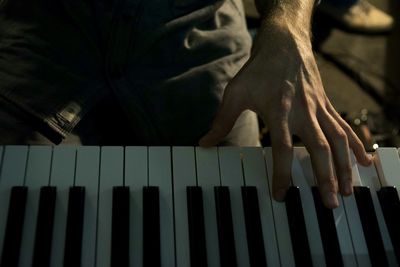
x=361, y=17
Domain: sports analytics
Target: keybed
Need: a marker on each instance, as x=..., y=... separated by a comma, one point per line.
x=189, y=206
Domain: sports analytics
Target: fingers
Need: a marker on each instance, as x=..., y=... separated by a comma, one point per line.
x=231, y=107
x=354, y=142
x=282, y=153
x=338, y=142
x=321, y=158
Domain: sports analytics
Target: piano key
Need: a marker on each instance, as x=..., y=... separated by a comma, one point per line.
x=328, y=232
x=184, y=173
x=387, y=163
x=160, y=176
x=304, y=179
x=354, y=221
x=87, y=175
x=151, y=227
x=111, y=174
x=197, y=234
x=370, y=226
x=15, y=221
x=390, y=204
x=74, y=227
x=120, y=227
x=136, y=169
x=44, y=227
x=208, y=177
x=226, y=238
x=255, y=174
x=37, y=176
x=281, y=221
x=12, y=173
x=253, y=226
x=297, y=227
x=13, y=164
x=62, y=177
x=231, y=173
x=339, y=220
x=343, y=231
x=369, y=177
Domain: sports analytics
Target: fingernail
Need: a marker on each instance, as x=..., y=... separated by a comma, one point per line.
x=332, y=200
x=280, y=195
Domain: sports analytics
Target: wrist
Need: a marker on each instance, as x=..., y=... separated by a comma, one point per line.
x=279, y=37
x=281, y=31
x=294, y=15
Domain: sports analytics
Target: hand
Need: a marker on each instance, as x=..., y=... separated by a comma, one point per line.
x=281, y=83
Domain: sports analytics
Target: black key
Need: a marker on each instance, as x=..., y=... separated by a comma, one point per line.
x=120, y=227
x=74, y=231
x=151, y=227
x=15, y=223
x=326, y=222
x=390, y=204
x=44, y=227
x=254, y=232
x=297, y=227
x=227, y=251
x=369, y=222
x=197, y=234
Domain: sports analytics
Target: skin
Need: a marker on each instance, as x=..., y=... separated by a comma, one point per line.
x=282, y=84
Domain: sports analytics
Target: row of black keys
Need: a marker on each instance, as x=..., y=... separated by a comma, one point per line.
x=388, y=198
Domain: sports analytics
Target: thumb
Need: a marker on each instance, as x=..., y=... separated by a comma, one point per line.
x=231, y=107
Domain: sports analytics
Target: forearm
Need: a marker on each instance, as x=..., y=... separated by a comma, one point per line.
x=288, y=23
x=294, y=14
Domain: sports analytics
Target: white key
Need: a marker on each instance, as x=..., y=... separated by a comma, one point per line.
x=160, y=175
x=37, y=175
x=387, y=163
x=12, y=174
x=232, y=176
x=255, y=175
x=207, y=178
x=308, y=206
x=87, y=175
x=62, y=177
x=184, y=173
x=111, y=174
x=136, y=169
x=342, y=229
x=369, y=177
x=354, y=221
x=281, y=221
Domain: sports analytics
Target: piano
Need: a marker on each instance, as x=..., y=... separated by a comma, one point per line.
x=189, y=206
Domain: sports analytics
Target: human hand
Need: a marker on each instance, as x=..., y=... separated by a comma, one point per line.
x=281, y=83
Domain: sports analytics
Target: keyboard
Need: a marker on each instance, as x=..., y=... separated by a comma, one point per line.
x=189, y=206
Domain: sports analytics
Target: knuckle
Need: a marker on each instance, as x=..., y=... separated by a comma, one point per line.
x=346, y=127
x=284, y=144
x=341, y=136
x=322, y=147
